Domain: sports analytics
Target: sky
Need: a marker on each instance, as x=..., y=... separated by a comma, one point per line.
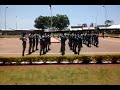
x=24, y=15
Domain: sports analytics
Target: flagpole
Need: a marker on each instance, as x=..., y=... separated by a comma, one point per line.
x=16, y=22
x=51, y=16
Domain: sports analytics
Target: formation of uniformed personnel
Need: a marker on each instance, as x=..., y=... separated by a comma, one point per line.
x=90, y=38
x=45, y=43
x=77, y=39
x=24, y=41
x=63, y=38
x=75, y=42
x=33, y=42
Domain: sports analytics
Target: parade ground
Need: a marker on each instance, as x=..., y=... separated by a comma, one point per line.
x=13, y=47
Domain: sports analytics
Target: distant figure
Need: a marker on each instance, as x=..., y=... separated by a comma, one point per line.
x=24, y=40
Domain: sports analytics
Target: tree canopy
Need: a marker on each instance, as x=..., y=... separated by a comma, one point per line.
x=84, y=24
x=109, y=22
x=59, y=22
x=91, y=25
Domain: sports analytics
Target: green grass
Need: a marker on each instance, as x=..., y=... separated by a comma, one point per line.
x=60, y=75
x=111, y=35
x=10, y=36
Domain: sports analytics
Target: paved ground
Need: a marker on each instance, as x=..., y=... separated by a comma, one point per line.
x=13, y=47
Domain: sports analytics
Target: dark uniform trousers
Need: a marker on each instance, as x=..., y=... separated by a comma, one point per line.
x=42, y=49
x=33, y=46
x=24, y=47
x=79, y=48
x=30, y=47
x=36, y=44
x=62, y=47
x=42, y=46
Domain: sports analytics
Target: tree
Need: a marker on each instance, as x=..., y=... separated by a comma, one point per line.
x=61, y=22
x=58, y=22
x=54, y=21
x=109, y=22
x=42, y=22
x=91, y=25
x=84, y=25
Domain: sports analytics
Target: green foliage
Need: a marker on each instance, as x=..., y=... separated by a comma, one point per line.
x=86, y=59
x=99, y=59
x=109, y=22
x=59, y=59
x=84, y=25
x=58, y=22
x=62, y=21
x=10, y=36
x=42, y=22
x=71, y=59
x=115, y=58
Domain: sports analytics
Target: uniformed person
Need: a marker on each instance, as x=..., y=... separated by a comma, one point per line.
x=75, y=43
x=96, y=40
x=49, y=41
x=46, y=42
x=70, y=41
x=33, y=42
x=30, y=43
x=36, y=40
x=79, y=43
x=24, y=41
x=93, y=36
x=63, y=39
x=42, y=44
x=88, y=40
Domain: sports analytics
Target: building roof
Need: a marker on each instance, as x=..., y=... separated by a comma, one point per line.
x=75, y=29
x=114, y=27
x=18, y=29
x=88, y=28
x=84, y=28
x=110, y=27
x=76, y=26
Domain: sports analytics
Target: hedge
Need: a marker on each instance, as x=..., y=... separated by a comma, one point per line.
x=85, y=59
